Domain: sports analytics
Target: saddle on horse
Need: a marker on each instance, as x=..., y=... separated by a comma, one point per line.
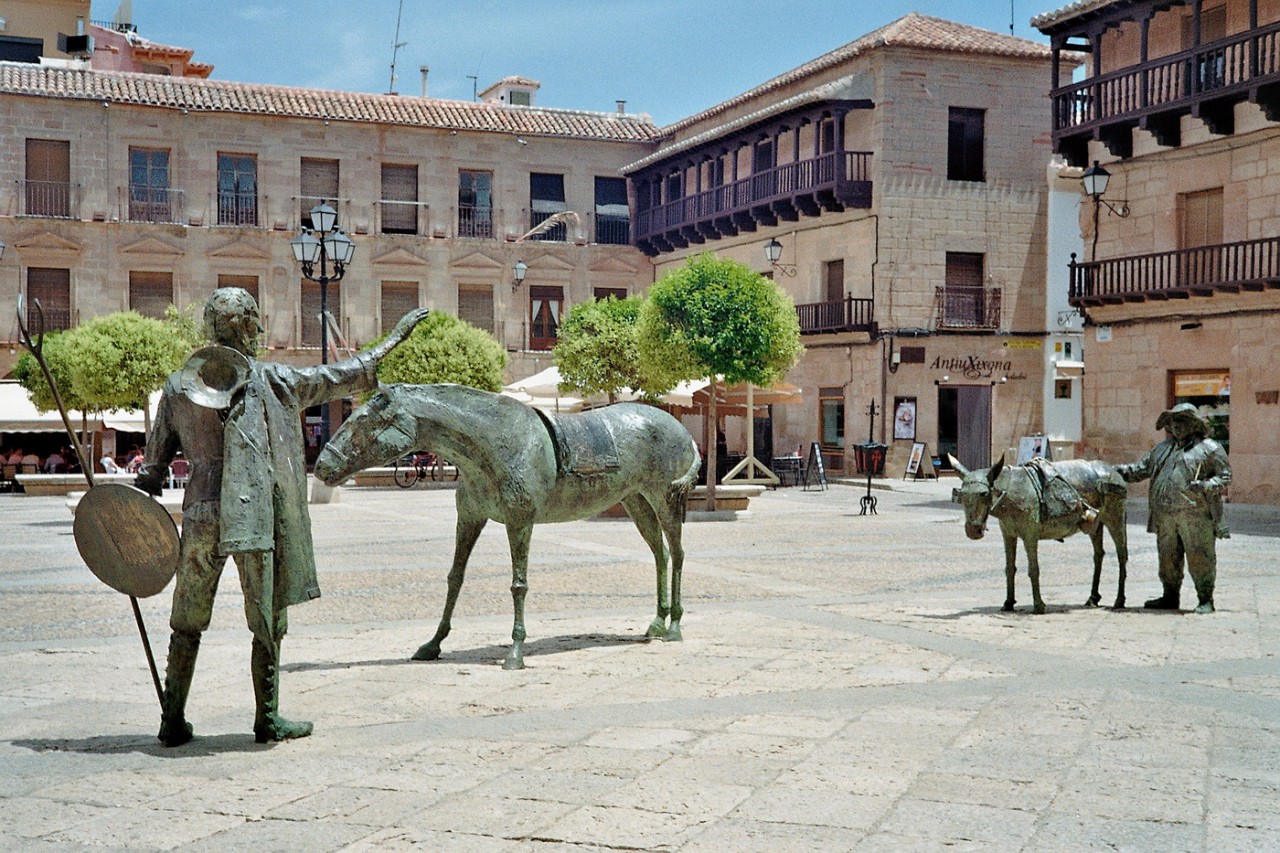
x=583, y=443
x=1058, y=498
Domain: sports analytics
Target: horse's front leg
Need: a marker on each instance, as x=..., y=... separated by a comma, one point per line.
x=1120, y=538
x=1032, y=546
x=518, y=535
x=1010, y=570
x=1098, y=553
x=468, y=531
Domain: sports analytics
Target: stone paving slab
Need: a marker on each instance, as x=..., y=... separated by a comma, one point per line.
x=846, y=682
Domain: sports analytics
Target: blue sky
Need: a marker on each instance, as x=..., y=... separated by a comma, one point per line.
x=667, y=58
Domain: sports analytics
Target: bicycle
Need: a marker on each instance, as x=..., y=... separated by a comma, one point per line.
x=416, y=468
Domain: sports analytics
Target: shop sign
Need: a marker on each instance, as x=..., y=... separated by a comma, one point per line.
x=1202, y=383
x=972, y=366
x=1022, y=343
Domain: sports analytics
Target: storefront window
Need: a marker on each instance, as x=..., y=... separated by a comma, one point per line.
x=831, y=405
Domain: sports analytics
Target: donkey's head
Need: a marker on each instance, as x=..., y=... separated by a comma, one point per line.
x=974, y=495
x=376, y=433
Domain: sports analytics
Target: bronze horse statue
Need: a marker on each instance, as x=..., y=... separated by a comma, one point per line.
x=1042, y=500
x=523, y=467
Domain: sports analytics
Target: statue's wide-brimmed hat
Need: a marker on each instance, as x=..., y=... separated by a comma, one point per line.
x=212, y=376
x=1182, y=412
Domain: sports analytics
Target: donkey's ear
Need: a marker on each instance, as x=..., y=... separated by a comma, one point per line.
x=960, y=469
x=995, y=470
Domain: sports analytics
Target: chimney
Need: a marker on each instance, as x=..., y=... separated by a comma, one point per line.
x=424, y=69
x=622, y=108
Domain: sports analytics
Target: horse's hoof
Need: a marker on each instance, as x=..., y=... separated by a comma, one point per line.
x=1008, y=607
x=513, y=663
x=427, y=652
x=673, y=634
x=1039, y=609
x=1093, y=601
x=1119, y=605
x=657, y=628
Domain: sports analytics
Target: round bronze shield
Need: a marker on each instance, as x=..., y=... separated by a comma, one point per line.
x=127, y=538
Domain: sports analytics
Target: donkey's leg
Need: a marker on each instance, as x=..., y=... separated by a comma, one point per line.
x=1032, y=546
x=1098, y=553
x=670, y=512
x=647, y=523
x=1120, y=538
x=518, y=535
x=468, y=531
x=1010, y=569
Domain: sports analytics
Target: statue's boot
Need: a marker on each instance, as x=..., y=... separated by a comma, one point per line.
x=1171, y=600
x=181, y=666
x=1204, y=592
x=268, y=725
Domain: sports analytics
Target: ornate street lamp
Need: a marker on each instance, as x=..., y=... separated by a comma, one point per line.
x=1095, y=180
x=518, y=273
x=773, y=251
x=330, y=247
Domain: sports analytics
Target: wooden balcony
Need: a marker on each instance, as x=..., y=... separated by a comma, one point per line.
x=830, y=182
x=846, y=315
x=1205, y=82
x=1251, y=265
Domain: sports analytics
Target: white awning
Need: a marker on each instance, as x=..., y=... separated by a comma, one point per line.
x=1068, y=369
x=19, y=414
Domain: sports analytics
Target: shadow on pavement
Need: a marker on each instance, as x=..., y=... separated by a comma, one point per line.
x=146, y=745
x=489, y=654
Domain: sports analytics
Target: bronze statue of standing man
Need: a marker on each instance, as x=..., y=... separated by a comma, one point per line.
x=1188, y=471
x=246, y=498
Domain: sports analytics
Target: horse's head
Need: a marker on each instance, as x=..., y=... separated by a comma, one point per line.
x=974, y=495
x=376, y=433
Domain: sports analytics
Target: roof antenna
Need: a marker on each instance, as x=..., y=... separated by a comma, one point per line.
x=396, y=44
x=475, y=79
x=1010, y=17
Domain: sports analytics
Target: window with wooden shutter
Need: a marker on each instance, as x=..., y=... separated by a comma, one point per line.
x=834, y=271
x=150, y=198
x=475, y=305
x=399, y=202
x=48, y=178
x=319, y=185
x=52, y=288
x=248, y=283
x=965, y=302
x=150, y=293
x=398, y=299
x=1201, y=218
x=544, y=316
x=603, y=293
x=311, y=310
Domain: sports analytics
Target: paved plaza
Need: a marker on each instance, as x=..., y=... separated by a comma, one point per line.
x=846, y=682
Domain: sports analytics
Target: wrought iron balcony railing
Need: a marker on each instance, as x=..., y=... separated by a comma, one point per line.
x=237, y=208
x=1250, y=265
x=967, y=307
x=613, y=230
x=475, y=221
x=57, y=199
x=845, y=315
x=152, y=204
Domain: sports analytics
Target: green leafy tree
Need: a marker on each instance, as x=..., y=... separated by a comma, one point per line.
x=597, y=350
x=56, y=350
x=445, y=349
x=718, y=317
x=185, y=325
x=119, y=359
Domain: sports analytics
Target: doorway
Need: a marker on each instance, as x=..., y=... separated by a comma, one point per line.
x=964, y=424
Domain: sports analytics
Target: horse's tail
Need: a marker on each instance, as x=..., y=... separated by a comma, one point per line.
x=678, y=491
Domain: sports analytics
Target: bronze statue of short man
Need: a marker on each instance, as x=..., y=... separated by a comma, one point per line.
x=1188, y=472
x=246, y=498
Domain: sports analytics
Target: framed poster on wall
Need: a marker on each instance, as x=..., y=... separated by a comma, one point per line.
x=904, y=418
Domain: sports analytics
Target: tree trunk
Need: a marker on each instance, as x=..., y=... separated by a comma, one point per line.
x=713, y=441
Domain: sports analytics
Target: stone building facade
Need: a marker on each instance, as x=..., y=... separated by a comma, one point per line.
x=1180, y=103
x=904, y=177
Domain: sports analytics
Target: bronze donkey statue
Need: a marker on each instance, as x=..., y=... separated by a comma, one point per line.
x=1047, y=500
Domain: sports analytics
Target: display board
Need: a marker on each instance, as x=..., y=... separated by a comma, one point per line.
x=914, y=462
x=1032, y=447
x=814, y=473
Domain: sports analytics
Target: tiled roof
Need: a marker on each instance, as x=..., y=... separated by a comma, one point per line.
x=914, y=30
x=219, y=96
x=1067, y=12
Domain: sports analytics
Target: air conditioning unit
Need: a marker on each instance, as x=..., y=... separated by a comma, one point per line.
x=79, y=46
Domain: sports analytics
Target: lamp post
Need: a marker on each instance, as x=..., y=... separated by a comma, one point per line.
x=324, y=242
x=773, y=251
x=518, y=273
